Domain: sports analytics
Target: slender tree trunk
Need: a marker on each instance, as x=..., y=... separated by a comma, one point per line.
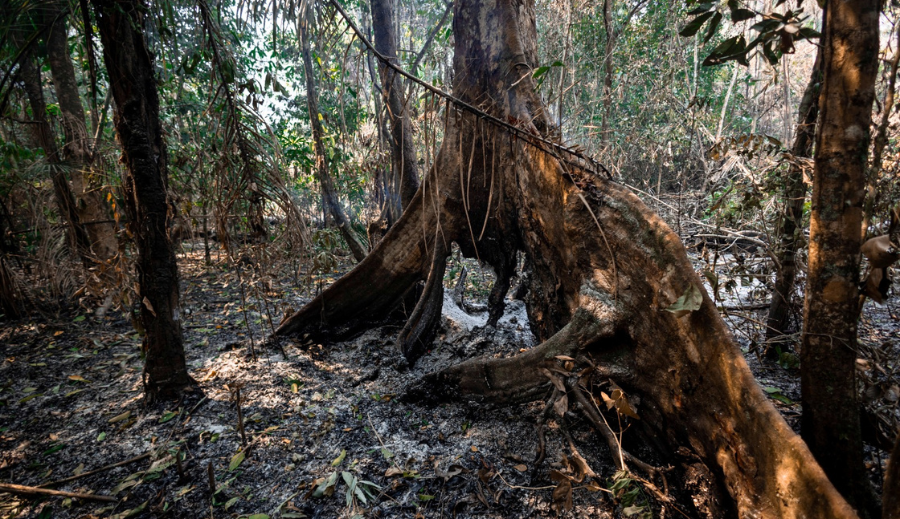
x=404, y=171
x=329, y=196
x=414, y=68
x=130, y=70
x=881, y=141
x=78, y=237
x=608, y=25
x=789, y=235
x=607, y=275
x=831, y=424
x=91, y=208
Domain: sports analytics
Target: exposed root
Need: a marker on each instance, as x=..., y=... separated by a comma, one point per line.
x=419, y=330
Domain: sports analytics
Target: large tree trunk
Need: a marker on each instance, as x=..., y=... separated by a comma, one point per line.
x=92, y=210
x=605, y=270
x=891, y=492
x=790, y=231
x=128, y=63
x=404, y=170
x=830, y=424
x=329, y=194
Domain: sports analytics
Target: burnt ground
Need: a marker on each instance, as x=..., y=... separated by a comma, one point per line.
x=325, y=432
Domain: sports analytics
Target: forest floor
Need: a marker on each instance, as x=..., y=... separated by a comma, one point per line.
x=324, y=432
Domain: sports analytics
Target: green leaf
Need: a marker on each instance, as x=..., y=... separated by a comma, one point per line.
x=231, y=502
x=340, y=459
x=540, y=71
x=236, y=461
x=739, y=15
x=258, y=516
x=713, y=25
x=807, y=33
x=55, y=448
x=79, y=319
x=168, y=415
x=688, y=302
x=693, y=27
x=425, y=497
x=101, y=437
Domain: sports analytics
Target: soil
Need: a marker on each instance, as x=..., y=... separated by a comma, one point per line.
x=324, y=432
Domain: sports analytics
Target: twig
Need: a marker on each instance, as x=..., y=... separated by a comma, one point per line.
x=37, y=491
x=517, y=487
x=95, y=471
x=212, y=479
x=240, y=414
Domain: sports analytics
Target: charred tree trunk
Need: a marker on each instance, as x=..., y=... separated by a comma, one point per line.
x=891, y=492
x=130, y=69
x=789, y=234
x=404, y=169
x=92, y=210
x=329, y=195
x=610, y=283
x=831, y=423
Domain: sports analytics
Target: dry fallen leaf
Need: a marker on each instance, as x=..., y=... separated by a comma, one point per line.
x=120, y=417
x=521, y=467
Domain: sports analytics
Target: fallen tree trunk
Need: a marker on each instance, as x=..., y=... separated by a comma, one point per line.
x=610, y=284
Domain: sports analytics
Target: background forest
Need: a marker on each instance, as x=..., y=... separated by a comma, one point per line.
x=179, y=178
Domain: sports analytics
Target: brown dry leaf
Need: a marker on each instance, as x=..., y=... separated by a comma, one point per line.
x=149, y=306
x=473, y=448
x=78, y=378
x=562, y=497
x=593, y=486
x=582, y=469
x=452, y=470
x=561, y=405
x=557, y=382
x=120, y=417
x=393, y=471
x=564, y=357
x=521, y=467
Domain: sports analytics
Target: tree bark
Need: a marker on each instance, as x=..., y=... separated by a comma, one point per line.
x=130, y=69
x=789, y=234
x=891, y=493
x=329, y=195
x=91, y=208
x=604, y=272
x=831, y=423
x=404, y=168
x=78, y=238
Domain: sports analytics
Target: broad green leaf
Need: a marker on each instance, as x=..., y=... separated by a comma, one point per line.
x=236, y=460
x=693, y=27
x=713, y=25
x=739, y=15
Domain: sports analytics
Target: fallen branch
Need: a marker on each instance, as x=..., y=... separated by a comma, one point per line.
x=95, y=471
x=37, y=491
